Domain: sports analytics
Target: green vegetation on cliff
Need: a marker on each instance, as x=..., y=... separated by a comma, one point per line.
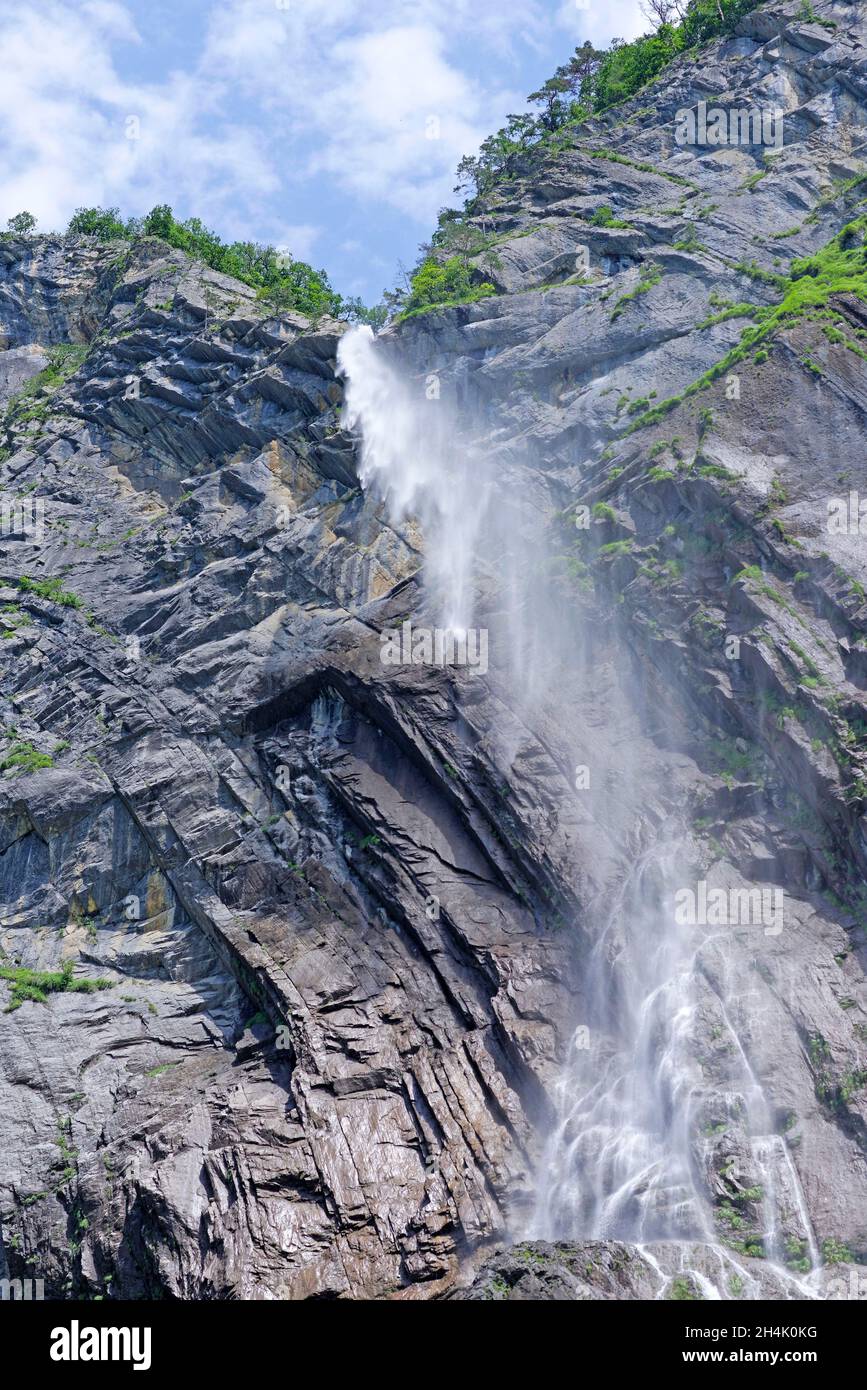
x=287, y=283
x=592, y=82
x=451, y=267
x=24, y=757
x=840, y=267
x=437, y=285
x=32, y=401
x=36, y=985
x=627, y=67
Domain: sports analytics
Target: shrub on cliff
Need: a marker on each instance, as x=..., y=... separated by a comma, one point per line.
x=36, y=985
x=443, y=283
x=278, y=278
x=104, y=223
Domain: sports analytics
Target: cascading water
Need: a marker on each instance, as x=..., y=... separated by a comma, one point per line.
x=476, y=515
x=414, y=459
x=628, y=1156
x=618, y=1163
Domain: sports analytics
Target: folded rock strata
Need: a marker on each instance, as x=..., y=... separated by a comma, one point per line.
x=341, y=911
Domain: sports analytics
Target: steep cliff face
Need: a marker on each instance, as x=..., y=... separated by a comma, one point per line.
x=336, y=915
x=238, y=824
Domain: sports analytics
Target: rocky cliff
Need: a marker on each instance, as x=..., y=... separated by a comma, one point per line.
x=293, y=941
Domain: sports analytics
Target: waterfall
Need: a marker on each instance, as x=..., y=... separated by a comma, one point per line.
x=412, y=455
x=477, y=516
x=617, y=1165
x=629, y=1155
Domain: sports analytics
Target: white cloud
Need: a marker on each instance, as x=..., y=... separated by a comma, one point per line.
x=64, y=123
x=372, y=86
x=390, y=110
x=383, y=110
x=400, y=118
x=111, y=17
x=584, y=19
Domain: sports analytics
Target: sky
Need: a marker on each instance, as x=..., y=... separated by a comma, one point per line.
x=328, y=128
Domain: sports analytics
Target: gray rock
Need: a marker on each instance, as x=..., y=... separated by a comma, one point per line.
x=293, y=1080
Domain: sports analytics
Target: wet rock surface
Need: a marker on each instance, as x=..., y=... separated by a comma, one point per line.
x=339, y=912
x=562, y=1271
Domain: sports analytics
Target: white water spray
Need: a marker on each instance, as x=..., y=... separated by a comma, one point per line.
x=627, y=1158
x=412, y=455
x=617, y=1166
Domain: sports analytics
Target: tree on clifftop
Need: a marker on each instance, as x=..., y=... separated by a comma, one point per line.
x=22, y=224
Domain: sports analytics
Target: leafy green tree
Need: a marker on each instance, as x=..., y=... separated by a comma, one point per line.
x=458, y=238
x=449, y=282
x=592, y=81
x=555, y=110
x=376, y=315
x=104, y=223
x=705, y=18
x=395, y=300
x=521, y=130
x=664, y=11
x=581, y=66
x=22, y=224
x=470, y=175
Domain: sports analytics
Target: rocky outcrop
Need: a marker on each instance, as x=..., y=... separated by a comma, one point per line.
x=301, y=1081
x=561, y=1273
x=541, y=1271
x=335, y=915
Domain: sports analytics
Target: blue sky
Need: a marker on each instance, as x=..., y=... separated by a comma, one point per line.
x=329, y=127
